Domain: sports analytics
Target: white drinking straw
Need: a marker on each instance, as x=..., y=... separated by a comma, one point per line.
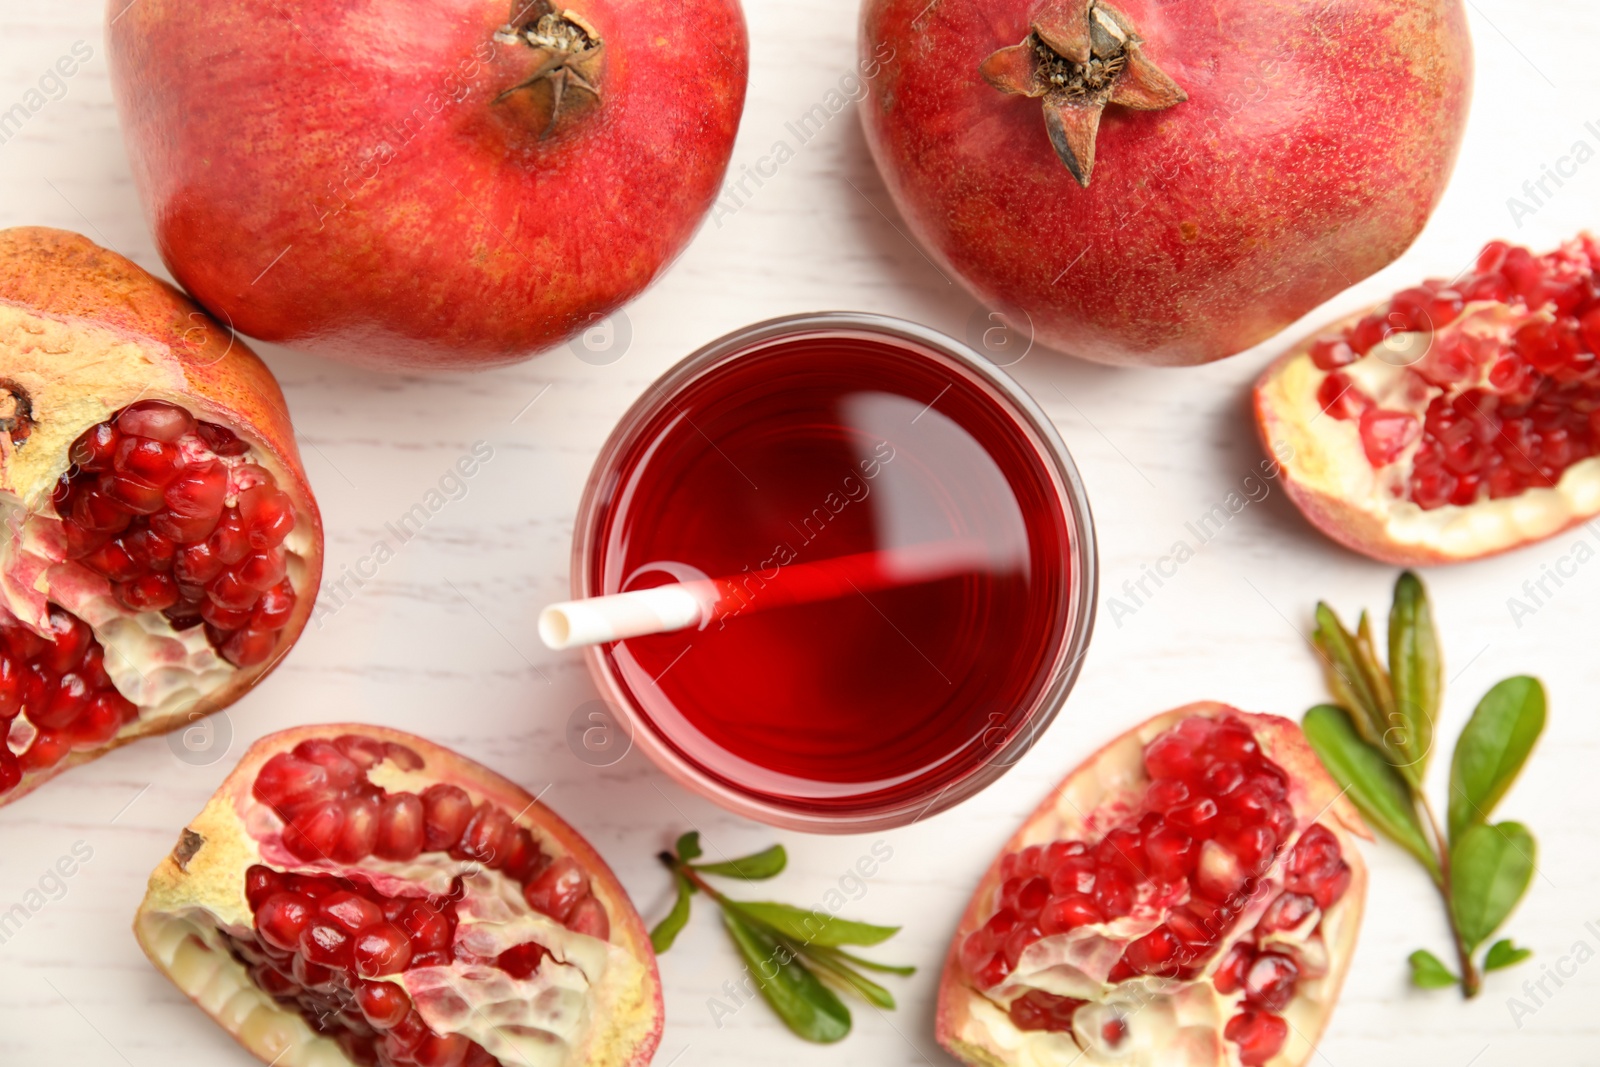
x=681, y=605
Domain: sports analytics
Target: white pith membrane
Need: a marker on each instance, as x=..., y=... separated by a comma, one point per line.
x=161, y=670
x=546, y=1020
x=1324, y=454
x=1164, y=1022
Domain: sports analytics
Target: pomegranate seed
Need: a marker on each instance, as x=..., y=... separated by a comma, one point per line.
x=1330, y=353
x=326, y=943
x=382, y=1004
x=259, y=884
x=400, y=828
x=146, y=463
x=286, y=780
x=106, y=714
x=522, y=859
x=1154, y=953
x=247, y=648
x=589, y=917
x=221, y=440
x=1166, y=794
x=151, y=592
x=314, y=830
x=1385, y=434
x=1171, y=756
x=1172, y=853
x=556, y=890
x=1288, y=911
x=1222, y=778
x=1075, y=875
x=380, y=949
x=521, y=961
x=156, y=420
x=48, y=749
x=1038, y=1010
x=1270, y=981
x=93, y=449
x=268, y=515
x=1196, y=817
x=351, y=911
x=486, y=837
x=10, y=770
x=446, y=811
x=282, y=918
x=1258, y=1034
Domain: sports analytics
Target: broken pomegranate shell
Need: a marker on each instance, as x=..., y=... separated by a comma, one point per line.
x=1190, y=895
x=161, y=547
x=356, y=895
x=1457, y=420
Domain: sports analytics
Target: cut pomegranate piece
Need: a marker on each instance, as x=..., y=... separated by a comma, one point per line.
x=1456, y=421
x=137, y=428
x=1202, y=858
x=439, y=957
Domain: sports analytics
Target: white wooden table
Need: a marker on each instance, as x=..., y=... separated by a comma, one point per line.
x=442, y=641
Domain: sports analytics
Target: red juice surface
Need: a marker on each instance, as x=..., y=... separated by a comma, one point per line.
x=815, y=448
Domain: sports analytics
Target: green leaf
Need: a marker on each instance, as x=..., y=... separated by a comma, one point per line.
x=1370, y=781
x=1416, y=671
x=766, y=864
x=1428, y=973
x=1490, y=868
x=1354, y=681
x=871, y=965
x=837, y=971
x=1492, y=749
x=805, y=1005
x=814, y=927
x=667, y=930
x=1503, y=954
x=689, y=846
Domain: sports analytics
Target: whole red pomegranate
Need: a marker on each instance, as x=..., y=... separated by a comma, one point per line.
x=433, y=184
x=1189, y=896
x=1457, y=420
x=1164, y=183
x=358, y=896
x=161, y=547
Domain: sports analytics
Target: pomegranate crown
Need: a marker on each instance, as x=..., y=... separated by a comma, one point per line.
x=569, y=54
x=1080, y=56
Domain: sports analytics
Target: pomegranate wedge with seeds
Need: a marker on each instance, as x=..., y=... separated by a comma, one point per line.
x=356, y=895
x=161, y=547
x=1458, y=420
x=1189, y=896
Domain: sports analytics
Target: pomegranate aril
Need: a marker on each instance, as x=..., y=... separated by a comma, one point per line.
x=259, y=884
x=229, y=592
x=282, y=918
x=106, y=714
x=382, y=1004
x=314, y=830
x=47, y=749
x=113, y=561
x=149, y=463
x=1270, y=981
x=1385, y=434
x=221, y=440
x=1157, y=952
x=327, y=944
x=151, y=592
x=1038, y=1010
x=230, y=542
x=93, y=509
x=557, y=889
x=10, y=770
x=93, y=449
x=380, y=949
x=351, y=911
x=268, y=515
x=446, y=811
x=155, y=419
x=1287, y=912
x=1258, y=1034
x=400, y=828
x=1330, y=353
x=521, y=961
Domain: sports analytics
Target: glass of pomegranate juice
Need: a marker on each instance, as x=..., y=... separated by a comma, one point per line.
x=902, y=560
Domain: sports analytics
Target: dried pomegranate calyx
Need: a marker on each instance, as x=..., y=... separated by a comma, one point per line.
x=570, y=57
x=1081, y=56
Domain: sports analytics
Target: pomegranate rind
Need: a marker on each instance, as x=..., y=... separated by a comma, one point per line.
x=1328, y=477
x=977, y=1032
x=85, y=332
x=204, y=875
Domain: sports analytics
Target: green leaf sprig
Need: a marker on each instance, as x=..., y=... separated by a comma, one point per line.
x=795, y=957
x=1376, y=742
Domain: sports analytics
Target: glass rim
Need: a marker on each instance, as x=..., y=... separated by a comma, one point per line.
x=1051, y=453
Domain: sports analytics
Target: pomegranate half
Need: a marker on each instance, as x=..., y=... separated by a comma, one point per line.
x=357, y=895
x=434, y=184
x=1148, y=182
x=161, y=548
x=1457, y=420
x=1190, y=895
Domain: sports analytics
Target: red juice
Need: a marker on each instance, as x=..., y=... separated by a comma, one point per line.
x=810, y=448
